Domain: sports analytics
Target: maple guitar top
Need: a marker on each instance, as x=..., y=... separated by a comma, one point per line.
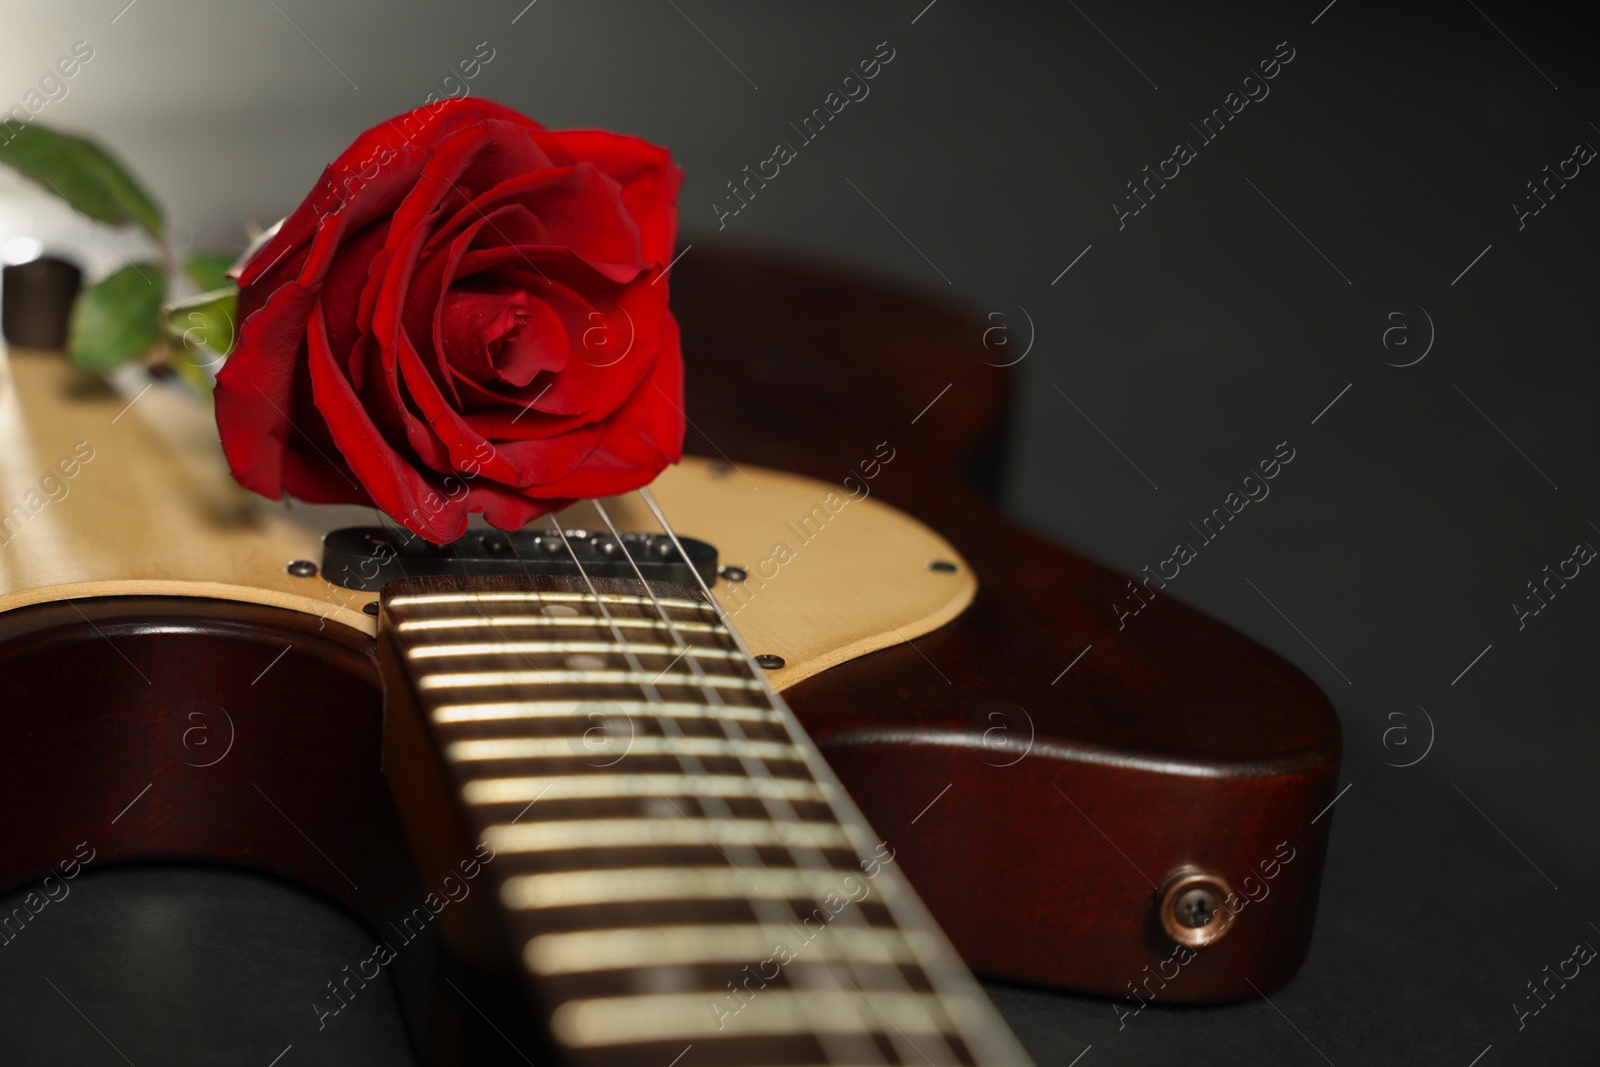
x=119, y=493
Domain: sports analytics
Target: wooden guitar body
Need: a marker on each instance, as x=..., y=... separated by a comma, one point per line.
x=1172, y=743
x=197, y=707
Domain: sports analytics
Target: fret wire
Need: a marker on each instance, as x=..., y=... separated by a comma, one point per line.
x=501, y=748
x=646, y=831
x=613, y=786
x=778, y=809
x=637, y=676
x=640, y=1018
x=497, y=621
x=555, y=709
x=852, y=916
x=483, y=618
x=557, y=648
x=586, y=951
x=569, y=889
x=713, y=698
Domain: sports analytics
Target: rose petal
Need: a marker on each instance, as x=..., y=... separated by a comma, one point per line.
x=649, y=180
x=507, y=509
x=464, y=445
x=578, y=208
x=255, y=386
x=628, y=317
x=348, y=277
x=388, y=477
x=395, y=152
x=643, y=438
x=495, y=336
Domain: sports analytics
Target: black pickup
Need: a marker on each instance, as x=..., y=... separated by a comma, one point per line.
x=365, y=557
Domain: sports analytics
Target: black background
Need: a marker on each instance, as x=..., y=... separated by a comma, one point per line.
x=1221, y=320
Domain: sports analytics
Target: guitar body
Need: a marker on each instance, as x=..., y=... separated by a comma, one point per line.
x=1175, y=740
x=1039, y=815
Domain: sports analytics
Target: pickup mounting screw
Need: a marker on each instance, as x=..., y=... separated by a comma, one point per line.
x=769, y=661
x=302, y=568
x=943, y=566
x=371, y=607
x=733, y=574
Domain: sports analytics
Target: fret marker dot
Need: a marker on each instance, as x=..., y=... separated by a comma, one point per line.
x=559, y=609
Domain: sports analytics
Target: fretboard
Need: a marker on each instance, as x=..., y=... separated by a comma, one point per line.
x=675, y=870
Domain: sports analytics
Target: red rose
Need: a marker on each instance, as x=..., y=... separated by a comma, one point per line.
x=467, y=314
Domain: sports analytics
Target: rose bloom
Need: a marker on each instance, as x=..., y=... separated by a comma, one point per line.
x=467, y=314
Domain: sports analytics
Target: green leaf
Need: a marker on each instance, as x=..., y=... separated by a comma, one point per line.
x=194, y=375
x=209, y=269
x=119, y=319
x=80, y=172
x=203, y=325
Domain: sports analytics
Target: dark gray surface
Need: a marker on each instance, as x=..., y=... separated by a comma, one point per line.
x=1208, y=330
x=188, y=965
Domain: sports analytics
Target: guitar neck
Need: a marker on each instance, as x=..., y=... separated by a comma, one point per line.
x=674, y=869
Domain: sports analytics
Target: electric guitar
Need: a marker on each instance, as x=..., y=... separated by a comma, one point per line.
x=558, y=771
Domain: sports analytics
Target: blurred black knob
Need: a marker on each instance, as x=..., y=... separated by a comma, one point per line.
x=36, y=302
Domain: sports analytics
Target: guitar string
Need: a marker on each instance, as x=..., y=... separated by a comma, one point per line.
x=939, y=971
x=813, y=858
x=808, y=857
x=765, y=910
x=836, y=1048
x=689, y=765
x=455, y=551
x=714, y=696
x=454, y=546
